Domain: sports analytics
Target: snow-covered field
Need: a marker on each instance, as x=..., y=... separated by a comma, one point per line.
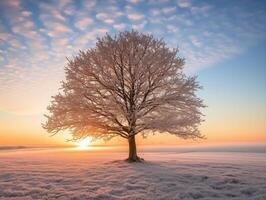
x=102, y=174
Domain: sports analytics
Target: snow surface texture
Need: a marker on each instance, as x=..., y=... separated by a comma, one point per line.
x=92, y=174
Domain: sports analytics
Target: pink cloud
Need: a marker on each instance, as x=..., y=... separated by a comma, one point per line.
x=105, y=18
x=83, y=23
x=26, y=13
x=135, y=16
x=184, y=4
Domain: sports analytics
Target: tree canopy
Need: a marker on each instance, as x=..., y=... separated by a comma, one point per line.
x=127, y=84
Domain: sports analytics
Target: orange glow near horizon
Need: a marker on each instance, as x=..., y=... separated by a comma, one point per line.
x=223, y=124
x=23, y=130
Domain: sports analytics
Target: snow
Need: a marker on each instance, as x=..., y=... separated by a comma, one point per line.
x=102, y=174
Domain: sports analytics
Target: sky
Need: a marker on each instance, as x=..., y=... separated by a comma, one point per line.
x=223, y=42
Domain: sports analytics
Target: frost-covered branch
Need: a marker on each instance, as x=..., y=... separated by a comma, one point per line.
x=127, y=84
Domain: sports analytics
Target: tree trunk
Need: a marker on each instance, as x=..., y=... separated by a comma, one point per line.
x=132, y=156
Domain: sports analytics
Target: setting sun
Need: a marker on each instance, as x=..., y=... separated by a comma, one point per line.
x=84, y=143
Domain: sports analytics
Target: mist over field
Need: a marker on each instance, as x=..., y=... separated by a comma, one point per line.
x=242, y=147
x=225, y=172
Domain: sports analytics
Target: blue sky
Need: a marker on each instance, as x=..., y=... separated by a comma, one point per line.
x=223, y=43
x=235, y=92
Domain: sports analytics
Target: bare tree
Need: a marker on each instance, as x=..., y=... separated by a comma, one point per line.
x=127, y=84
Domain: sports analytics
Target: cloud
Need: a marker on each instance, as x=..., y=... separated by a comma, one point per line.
x=169, y=10
x=134, y=1
x=184, y=3
x=200, y=9
x=61, y=42
x=105, y=18
x=120, y=27
x=139, y=26
x=135, y=16
x=89, y=37
x=101, y=16
x=88, y=5
x=70, y=10
x=14, y=3
x=59, y=27
x=15, y=43
x=172, y=28
x=3, y=36
x=195, y=41
x=19, y=28
x=52, y=12
x=26, y=13
x=82, y=24
x=155, y=11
